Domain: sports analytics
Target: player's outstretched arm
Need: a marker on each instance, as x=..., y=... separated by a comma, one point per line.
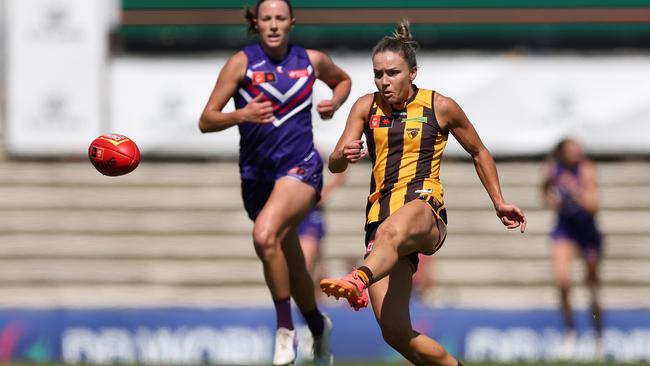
x=213, y=119
x=350, y=149
x=332, y=75
x=453, y=119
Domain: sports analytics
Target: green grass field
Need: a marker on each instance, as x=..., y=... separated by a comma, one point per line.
x=406, y=363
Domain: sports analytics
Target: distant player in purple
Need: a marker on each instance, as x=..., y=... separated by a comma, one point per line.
x=571, y=190
x=271, y=82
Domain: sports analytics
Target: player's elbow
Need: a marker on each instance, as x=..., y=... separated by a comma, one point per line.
x=336, y=168
x=337, y=165
x=480, y=154
x=336, y=162
x=204, y=125
x=346, y=81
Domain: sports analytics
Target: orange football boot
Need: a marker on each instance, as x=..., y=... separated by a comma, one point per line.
x=351, y=287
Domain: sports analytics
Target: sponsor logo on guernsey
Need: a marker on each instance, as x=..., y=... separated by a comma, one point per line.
x=311, y=154
x=297, y=74
x=261, y=77
x=381, y=122
x=412, y=132
x=421, y=119
x=259, y=64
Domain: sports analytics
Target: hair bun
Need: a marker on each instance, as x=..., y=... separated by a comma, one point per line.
x=400, y=41
x=403, y=31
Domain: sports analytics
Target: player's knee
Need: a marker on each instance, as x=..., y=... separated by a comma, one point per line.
x=437, y=354
x=562, y=281
x=395, y=336
x=591, y=277
x=389, y=234
x=591, y=274
x=266, y=242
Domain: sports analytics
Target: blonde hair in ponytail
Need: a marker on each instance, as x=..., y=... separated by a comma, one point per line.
x=401, y=41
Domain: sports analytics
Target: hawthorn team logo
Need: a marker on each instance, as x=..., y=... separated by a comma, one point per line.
x=412, y=132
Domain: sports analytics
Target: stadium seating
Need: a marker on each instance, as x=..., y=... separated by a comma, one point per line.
x=175, y=234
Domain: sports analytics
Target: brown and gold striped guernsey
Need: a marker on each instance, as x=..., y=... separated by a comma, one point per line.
x=405, y=147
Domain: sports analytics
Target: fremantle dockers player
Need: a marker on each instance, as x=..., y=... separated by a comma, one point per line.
x=281, y=172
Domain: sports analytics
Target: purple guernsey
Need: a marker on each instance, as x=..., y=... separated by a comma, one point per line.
x=268, y=151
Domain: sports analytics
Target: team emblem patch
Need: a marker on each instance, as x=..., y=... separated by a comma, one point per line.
x=260, y=77
x=381, y=122
x=412, y=132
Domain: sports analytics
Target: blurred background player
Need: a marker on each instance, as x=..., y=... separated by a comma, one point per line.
x=406, y=129
x=570, y=189
x=313, y=229
x=424, y=279
x=281, y=171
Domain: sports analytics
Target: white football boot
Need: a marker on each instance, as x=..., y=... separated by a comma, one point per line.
x=285, y=347
x=322, y=352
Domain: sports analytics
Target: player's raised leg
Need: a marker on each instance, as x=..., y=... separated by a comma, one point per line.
x=287, y=204
x=412, y=228
x=390, y=298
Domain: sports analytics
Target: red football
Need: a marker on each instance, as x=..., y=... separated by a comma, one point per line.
x=114, y=154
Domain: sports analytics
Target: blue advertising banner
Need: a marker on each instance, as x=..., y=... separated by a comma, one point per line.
x=245, y=336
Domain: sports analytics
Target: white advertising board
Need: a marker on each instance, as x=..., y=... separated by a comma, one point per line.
x=56, y=71
x=520, y=105
x=158, y=102
x=523, y=105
